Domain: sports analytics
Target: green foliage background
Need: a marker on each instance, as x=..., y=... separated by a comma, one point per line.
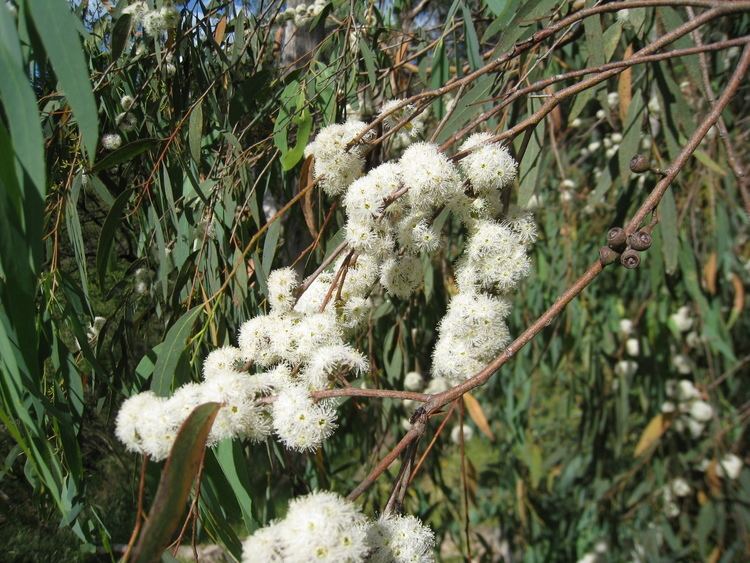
x=170, y=238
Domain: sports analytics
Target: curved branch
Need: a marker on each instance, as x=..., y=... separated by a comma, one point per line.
x=648, y=206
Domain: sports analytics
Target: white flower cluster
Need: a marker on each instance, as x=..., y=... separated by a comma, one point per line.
x=729, y=466
x=473, y=330
x=324, y=527
x=111, y=141
x=126, y=120
x=393, y=236
x=676, y=489
x=148, y=424
x=303, y=14
x=628, y=368
x=690, y=411
x=300, y=349
x=400, y=539
x=154, y=22
x=335, y=166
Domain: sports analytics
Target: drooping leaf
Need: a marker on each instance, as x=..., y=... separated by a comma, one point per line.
x=107, y=235
x=124, y=154
x=57, y=28
x=120, y=33
x=172, y=350
x=651, y=435
x=177, y=477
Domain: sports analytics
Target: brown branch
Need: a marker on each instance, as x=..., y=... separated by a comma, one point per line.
x=718, y=7
x=734, y=163
x=540, y=85
x=557, y=97
x=648, y=206
x=371, y=393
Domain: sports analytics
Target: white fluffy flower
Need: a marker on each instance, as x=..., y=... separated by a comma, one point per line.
x=701, y=411
x=355, y=312
x=686, y=391
x=299, y=422
x=281, y=286
x=524, y=226
x=365, y=196
x=668, y=407
x=489, y=167
x=331, y=363
x=401, y=276
x=680, y=487
x=265, y=544
x=468, y=433
x=626, y=326
x=255, y=340
x=127, y=102
x=413, y=127
x=128, y=427
x=311, y=300
x=437, y=385
x=400, y=539
x=126, y=121
x=360, y=277
x=472, y=333
x=431, y=178
x=425, y=238
x=111, y=141
x=137, y=11
x=682, y=364
x=158, y=21
x=626, y=368
x=633, y=347
x=729, y=466
x=238, y=415
x=495, y=259
x=335, y=167
x=321, y=526
x=227, y=359
x=413, y=381
x=682, y=319
x=368, y=236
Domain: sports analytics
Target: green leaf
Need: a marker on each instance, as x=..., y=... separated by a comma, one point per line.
x=668, y=228
x=177, y=477
x=269, y=246
x=304, y=127
x=56, y=26
x=472, y=43
x=120, y=34
x=369, y=57
x=107, y=235
x=73, y=223
x=124, y=153
x=19, y=103
x=531, y=163
x=171, y=351
x=229, y=454
x=195, y=130
x=631, y=137
x=611, y=38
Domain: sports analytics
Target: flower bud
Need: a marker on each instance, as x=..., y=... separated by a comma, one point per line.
x=616, y=238
x=640, y=240
x=639, y=164
x=607, y=256
x=630, y=259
